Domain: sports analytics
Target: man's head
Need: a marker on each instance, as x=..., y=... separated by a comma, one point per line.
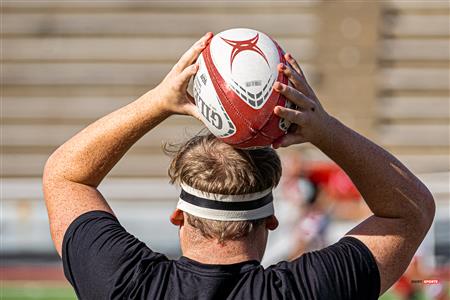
x=207, y=164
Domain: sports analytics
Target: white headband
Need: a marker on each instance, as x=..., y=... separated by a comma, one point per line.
x=226, y=207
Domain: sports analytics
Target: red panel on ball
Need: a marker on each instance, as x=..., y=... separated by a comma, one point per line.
x=255, y=127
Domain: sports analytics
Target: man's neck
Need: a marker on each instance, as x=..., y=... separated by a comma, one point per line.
x=230, y=252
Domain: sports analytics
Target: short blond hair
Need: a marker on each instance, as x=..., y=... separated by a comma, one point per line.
x=210, y=165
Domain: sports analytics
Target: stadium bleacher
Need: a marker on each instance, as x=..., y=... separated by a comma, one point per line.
x=66, y=63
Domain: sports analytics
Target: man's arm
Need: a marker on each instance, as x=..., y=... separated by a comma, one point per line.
x=403, y=208
x=74, y=171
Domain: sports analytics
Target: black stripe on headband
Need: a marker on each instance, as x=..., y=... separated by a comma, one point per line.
x=222, y=205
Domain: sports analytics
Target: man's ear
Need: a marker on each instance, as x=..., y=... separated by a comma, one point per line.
x=177, y=217
x=272, y=223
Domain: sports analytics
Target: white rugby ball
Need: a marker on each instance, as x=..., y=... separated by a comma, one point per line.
x=233, y=88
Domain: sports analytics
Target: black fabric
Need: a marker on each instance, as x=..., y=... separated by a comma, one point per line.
x=103, y=261
x=225, y=205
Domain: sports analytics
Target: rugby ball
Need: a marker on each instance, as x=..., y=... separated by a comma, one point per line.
x=233, y=88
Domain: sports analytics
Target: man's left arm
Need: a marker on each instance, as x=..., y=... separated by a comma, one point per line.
x=74, y=171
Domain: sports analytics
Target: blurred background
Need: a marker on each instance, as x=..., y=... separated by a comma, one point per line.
x=382, y=67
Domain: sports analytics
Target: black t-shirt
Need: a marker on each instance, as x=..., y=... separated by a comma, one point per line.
x=103, y=261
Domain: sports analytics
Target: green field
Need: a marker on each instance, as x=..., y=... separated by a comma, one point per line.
x=36, y=291
x=62, y=291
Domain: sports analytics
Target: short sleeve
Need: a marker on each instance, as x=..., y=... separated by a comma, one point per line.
x=100, y=258
x=344, y=270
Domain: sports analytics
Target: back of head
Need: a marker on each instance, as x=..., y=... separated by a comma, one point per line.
x=207, y=164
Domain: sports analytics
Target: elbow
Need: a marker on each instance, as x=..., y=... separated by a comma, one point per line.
x=430, y=208
x=50, y=173
x=48, y=176
x=427, y=210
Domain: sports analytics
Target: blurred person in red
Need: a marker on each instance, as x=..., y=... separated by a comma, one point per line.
x=323, y=193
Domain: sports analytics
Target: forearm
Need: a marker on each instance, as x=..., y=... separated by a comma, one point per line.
x=387, y=186
x=88, y=156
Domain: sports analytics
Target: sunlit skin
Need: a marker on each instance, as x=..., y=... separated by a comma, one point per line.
x=194, y=245
x=402, y=207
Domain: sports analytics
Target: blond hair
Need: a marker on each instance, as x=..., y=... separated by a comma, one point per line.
x=210, y=165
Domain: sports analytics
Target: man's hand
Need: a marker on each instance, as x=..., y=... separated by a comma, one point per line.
x=310, y=121
x=172, y=91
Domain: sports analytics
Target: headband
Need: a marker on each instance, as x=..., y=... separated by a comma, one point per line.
x=226, y=207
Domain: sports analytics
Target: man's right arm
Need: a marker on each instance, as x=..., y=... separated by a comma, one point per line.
x=403, y=208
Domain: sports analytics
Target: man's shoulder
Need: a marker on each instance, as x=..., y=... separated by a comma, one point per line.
x=345, y=250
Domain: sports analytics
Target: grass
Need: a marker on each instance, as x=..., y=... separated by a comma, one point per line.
x=57, y=290
x=28, y=290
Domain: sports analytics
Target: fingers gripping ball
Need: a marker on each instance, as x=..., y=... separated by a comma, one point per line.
x=233, y=88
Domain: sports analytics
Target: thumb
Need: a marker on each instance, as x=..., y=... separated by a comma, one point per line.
x=288, y=139
x=192, y=110
x=187, y=73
